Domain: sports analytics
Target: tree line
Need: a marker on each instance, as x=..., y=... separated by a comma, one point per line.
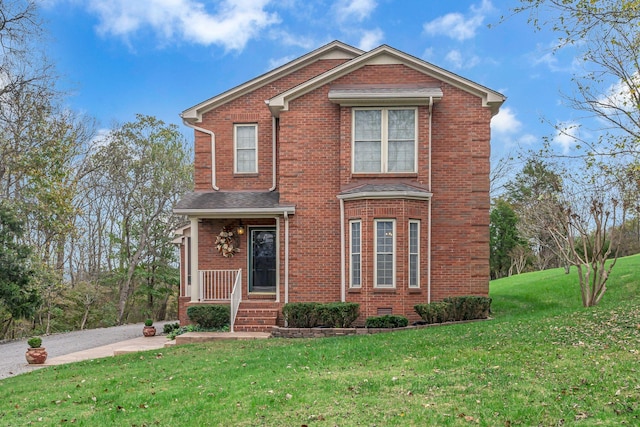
x=85, y=216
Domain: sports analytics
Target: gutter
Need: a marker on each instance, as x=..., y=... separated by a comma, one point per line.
x=429, y=223
x=213, y=151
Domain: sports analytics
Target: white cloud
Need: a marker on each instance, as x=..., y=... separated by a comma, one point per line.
x=566, y=135
x=456, y=59
x=358, y=10
x=618, y=97
x=371, y=39
x=276, y=62
x=232, y=25
x=505, y=122
x=458, y=26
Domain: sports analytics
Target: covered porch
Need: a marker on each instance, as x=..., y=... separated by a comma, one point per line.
x=232, y=249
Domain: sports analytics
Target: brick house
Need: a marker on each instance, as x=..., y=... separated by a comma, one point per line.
x=342, y=175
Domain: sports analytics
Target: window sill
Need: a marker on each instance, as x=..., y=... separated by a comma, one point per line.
x=416, y=291
x=384, y=290
x=246, y=175
x=384, y=175
x=354, y=290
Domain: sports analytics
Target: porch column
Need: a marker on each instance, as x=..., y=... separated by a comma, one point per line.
x=195, y=274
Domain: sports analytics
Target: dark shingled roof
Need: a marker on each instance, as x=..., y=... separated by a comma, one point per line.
x=225, y=200
x=383, y=188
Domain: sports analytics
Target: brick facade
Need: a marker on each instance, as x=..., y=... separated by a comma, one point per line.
x=313, y=167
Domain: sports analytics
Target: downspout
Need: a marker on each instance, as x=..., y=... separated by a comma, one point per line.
x=343, y=284
x=429, y=223
x=286, y=257
x=213, y=151
x=273, y=152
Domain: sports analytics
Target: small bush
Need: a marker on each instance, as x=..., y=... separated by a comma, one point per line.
x=210, y=316
x=301, y=314
x=469, y=307
x=436, y=312
x=170, y=327
x=387, y=321
x=455, y=309
x=34, y=342
x=148, y=322
x=338, y=314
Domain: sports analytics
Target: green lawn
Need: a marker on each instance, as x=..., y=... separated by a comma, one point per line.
x=543, y=360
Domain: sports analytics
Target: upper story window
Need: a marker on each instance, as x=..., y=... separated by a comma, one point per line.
x=245, y=141
x=384, y=140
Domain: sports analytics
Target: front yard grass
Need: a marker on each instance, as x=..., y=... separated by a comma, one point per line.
x=543, y=360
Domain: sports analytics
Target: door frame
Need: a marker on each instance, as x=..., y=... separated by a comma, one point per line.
x=250, y=229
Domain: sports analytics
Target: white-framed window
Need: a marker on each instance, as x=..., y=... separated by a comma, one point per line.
x=384, y=140
x=355, y=245
x=245, y=142
x=385, y=250
x=414, y=254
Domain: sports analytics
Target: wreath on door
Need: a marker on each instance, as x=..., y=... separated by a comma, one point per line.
x=226, y=243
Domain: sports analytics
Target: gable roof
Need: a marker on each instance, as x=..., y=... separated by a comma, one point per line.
x=387, y=55
x=333, y=50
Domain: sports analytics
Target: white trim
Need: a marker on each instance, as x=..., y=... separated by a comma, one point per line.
x=343, y=260
x=387, y=55
x=351, y=223
x=195, y=277
x=384, y=139
x=235, y=147
x=417, y=286
x=429, y=255
x=213, y=150
x=375, y=252
x=333, y=50
x=238, y=212
x=274, y=162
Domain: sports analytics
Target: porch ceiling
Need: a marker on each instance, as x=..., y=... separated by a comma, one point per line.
x=232, y=203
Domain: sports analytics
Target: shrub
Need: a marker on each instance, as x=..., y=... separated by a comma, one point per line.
x=148, y=322
x=210, y=316
x=301, y=314
x=338, y=314
x=387, y=321
x=170, y=327
x=469, y=307
x=34, y=342
x=455, y=309
x=436, y=312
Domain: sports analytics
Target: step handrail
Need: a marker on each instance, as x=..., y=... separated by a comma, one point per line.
x=236, y=298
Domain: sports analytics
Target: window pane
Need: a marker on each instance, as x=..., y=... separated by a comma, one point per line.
x=385, y=269
x=246, y=160
x=245, y=137
x=401, y=156
x=414, y=247
x=355, y=254
x=402, y=124
x=367, y=156
x=368, y=125
x=413, y=270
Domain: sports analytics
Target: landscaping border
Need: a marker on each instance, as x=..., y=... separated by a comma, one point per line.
x=283, y=332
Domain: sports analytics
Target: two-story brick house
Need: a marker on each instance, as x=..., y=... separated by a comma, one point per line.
x=352, y=176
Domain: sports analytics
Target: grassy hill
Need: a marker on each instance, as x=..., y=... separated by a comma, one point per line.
x=542, y=360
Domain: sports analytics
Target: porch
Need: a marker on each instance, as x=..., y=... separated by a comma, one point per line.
x=225, y=287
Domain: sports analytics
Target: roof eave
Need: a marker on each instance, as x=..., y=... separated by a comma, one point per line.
x=236, y=212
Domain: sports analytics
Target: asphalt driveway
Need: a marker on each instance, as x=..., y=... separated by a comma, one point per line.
x=12, y=361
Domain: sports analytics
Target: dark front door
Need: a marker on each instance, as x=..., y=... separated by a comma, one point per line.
x=262, y=260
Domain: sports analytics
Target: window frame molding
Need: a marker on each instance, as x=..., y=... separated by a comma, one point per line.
x=409, y=253
x=376, y=221
x=351, y=254
x=235, y=148
x=384, y=140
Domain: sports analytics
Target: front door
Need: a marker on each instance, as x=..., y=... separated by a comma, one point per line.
x=262, y=260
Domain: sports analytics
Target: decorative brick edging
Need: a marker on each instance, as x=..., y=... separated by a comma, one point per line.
x=281, y=332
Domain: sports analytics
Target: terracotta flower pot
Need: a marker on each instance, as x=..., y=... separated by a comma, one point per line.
x=36, y=356
x=149, y=331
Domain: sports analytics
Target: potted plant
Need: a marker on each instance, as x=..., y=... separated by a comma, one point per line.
x=36, y=355
x=149, y=330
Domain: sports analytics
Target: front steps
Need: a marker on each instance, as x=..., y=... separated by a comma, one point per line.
x=256, y=316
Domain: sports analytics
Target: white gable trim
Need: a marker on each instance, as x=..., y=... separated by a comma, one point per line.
x=387, y=55
x=333, y=50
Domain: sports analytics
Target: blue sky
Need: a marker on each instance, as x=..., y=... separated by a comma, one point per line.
x=160, y=57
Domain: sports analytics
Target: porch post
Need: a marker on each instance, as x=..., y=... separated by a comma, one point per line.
x=195, y=274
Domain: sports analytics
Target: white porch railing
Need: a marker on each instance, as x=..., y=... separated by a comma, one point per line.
x=236, y=298
x=216, y=285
